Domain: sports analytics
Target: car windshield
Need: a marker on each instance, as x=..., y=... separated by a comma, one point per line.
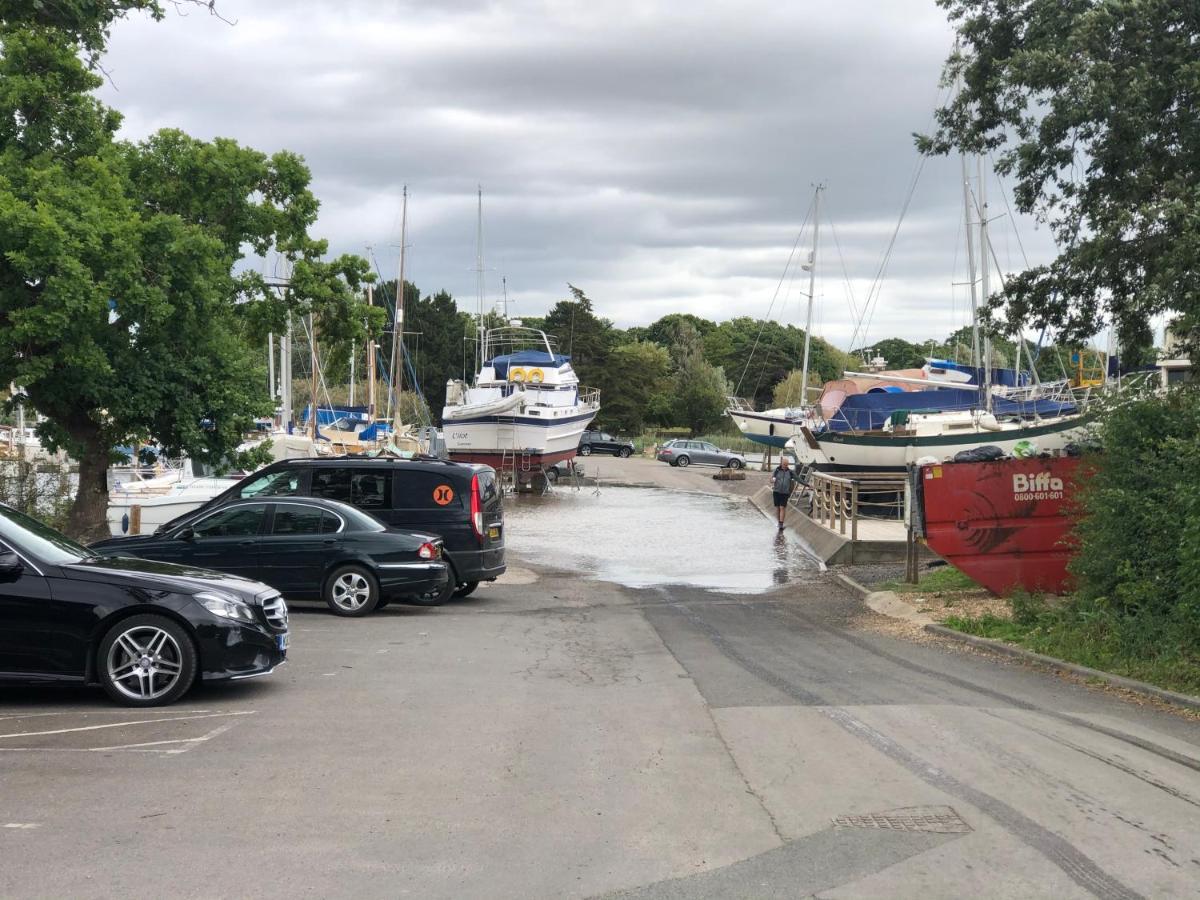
x=30, y=536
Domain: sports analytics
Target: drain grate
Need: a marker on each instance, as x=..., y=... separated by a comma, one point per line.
x=929, y=819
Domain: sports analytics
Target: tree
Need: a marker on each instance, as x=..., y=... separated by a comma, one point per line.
x=434, y=339
x=581, y=334
x=899, y=353
x=759, y=354
x=701, y=393
x=120, y=316
x=1091, y=106
x=700, y=389
x=637, y=373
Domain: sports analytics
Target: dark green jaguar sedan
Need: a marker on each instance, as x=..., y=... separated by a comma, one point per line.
x=307, y=549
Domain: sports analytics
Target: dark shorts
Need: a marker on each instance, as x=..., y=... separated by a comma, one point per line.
x=780, y=499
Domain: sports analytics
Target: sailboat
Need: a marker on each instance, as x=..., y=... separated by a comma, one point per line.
x=525, y=408
x=863, y=428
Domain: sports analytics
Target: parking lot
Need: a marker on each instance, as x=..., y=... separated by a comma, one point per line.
x=464, y=750
x=581, y=730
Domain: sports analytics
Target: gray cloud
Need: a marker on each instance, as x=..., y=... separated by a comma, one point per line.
x=659, y=155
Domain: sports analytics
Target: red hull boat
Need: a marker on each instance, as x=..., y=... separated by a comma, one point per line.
x=1006, y=524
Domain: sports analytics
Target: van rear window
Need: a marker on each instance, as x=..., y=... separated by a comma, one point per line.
x=489, y=493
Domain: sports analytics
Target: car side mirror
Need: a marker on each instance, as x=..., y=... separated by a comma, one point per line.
x=10, y=563
x=186, y=535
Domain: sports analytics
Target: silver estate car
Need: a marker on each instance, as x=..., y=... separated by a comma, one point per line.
x=701, y=453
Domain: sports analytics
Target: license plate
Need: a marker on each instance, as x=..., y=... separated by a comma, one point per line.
x=494, y=532
x=283, y=640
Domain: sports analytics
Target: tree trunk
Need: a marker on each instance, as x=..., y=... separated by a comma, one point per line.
x=89, y=516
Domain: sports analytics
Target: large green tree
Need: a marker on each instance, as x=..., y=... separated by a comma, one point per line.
x=584, y=336
x=1091, y=106
x=757, y=355
x=635, y=380
x=121, y=317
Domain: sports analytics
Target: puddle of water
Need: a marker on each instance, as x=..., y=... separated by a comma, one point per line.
x=641, y=537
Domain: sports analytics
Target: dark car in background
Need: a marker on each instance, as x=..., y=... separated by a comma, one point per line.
x=145, y=631
x=603, y=442
x=306, y=548
x=459, y=502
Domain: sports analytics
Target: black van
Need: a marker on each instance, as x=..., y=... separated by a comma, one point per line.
x=461, y=502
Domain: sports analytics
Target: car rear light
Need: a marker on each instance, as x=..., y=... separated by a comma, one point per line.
x=476, y=509
x=427, y=551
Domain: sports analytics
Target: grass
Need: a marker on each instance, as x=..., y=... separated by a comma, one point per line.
x=1066, y=633
x=943, y=579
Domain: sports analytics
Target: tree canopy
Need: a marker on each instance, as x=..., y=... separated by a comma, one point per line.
x=121, y=317
x=1091, y=106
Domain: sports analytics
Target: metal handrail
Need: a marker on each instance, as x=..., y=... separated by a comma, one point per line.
x=837, y=500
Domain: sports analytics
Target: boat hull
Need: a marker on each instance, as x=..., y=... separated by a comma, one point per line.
x=531, y=440
x=881, y=452
x=1007, y=524
x=770, y=431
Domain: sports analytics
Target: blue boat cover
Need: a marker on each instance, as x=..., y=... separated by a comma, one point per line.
x=328, y=415
x=869, y=412
x=535, y=358
x=1002, y=377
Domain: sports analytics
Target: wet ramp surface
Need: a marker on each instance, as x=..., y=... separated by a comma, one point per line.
x=641, y=537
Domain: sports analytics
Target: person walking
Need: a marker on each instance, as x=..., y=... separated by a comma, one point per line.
x=783, y=482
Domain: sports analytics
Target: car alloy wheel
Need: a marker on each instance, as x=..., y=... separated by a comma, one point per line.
x=683, y=461
x=735, y=464
x=351, y=591
x=585, y=450
x=626, y=453
x=465, y=589
x=146, y=661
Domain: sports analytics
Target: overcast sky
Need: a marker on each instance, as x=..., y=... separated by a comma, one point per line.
x=660, y=156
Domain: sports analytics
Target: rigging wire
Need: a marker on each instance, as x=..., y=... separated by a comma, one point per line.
x=774, y=298
x=877, y=285
x=850, y=298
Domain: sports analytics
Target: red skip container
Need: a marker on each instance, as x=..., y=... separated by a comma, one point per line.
x=1006, y=524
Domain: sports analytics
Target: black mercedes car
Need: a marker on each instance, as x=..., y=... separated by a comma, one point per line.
x=309, y=549
x=144, y=631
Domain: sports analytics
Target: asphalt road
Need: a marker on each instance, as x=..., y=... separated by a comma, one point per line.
x=555, y=737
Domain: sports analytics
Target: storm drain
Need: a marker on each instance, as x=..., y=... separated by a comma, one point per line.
x=929, y=819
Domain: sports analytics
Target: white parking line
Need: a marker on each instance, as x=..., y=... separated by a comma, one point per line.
x=102, y=712
x=24, y=825
x=25, y=734
x=144, y=747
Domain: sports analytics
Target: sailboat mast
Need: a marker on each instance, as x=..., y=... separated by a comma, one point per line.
x=976, y=358
x=482, y=351
x=812, y=290
x=312, y=350
x=984, y=281
x=396, y=377
x=370, y=360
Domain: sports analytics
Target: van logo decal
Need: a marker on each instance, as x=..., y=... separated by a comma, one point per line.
x=443, y=494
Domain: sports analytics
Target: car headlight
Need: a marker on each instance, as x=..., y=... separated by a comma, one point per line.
x=226, y=606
